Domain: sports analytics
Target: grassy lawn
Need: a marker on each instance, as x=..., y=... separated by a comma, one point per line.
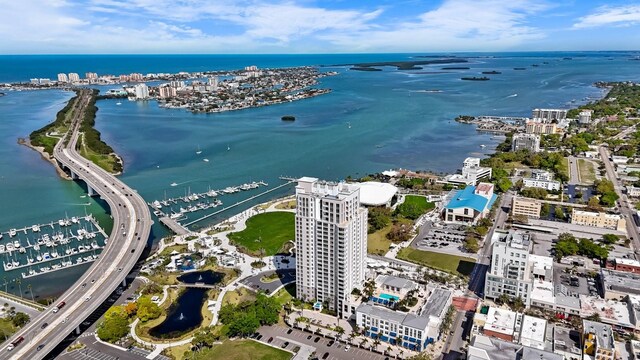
x=419, y=201
x=587, y=172
x=6, y=327
x=453, y=264
x=169, y=249
x=377, y=242
x=286, y=294
x=237, y=296
x=107, y=162
x=268, y=232
x=564, y=167
x=244, y=350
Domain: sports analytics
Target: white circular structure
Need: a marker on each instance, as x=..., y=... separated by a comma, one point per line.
x=373, y=193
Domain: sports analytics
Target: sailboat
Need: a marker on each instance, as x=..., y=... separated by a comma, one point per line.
x=198, y=152
x=228, y=147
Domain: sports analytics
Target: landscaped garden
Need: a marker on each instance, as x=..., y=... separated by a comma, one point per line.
x=452, y=264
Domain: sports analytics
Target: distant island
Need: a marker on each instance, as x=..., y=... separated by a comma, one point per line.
x=475, y=78
x=455, y=68
x=360, y=68
x=492, y=72
x=402, y=65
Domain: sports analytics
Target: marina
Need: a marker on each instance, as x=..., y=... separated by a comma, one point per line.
x=62, y=243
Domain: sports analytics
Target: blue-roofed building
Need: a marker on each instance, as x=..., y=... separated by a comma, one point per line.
x=469, y=205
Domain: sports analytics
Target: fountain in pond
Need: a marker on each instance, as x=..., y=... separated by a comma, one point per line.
x=181, y=317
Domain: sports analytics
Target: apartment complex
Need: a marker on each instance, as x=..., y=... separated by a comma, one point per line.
x=472, y=172
x=548, y=115
x=331, y=243
x=510, y=271
x=585, y=116
x=598, y=219
x=535, y=127
x=526, y=206
x=529, y=142
x=141, y=91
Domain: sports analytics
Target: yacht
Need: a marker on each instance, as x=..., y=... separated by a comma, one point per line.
x=74, y=220
x=156, y=204
x=10, y=247
x=12, y=232
x=23, y=250
x=1, y=249
x=36, y=247
x=74, y=251
x=95, y=245
x=16, y=263
x=16, y=244
x=205, y=160
x=483, y=146
x=118, y=103
x=198, y=152
x=39, y=258
x=39, y=242
x=8, y=265
x=35, y=228
x=1, y=236
x=174, y=184
x=212, y=193
x=157, y=213
x=46, y=256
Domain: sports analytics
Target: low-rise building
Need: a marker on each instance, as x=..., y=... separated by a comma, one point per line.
x=618, y=284
x=542, y=184
x=532, y=332
x=529, y=142
x=619, y=160
x=526, y=206
x=487, y=348
x=472, y=172
x=598, y=342
x=626, y=265
x=502, y=324
x=566, y=342
x=633, y=191
x=542, y=175
x=469, y=205
x=585, y=116
x=598, y=219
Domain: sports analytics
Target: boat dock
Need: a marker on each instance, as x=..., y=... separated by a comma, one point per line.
x=174, y=225
x=63, y=265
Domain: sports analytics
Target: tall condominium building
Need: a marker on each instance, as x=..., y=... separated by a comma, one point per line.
x=510, y=271
x=331, y=243
x=74, y=77
x=141, y=91
x=537, y=127
x=547, y=115
x=529, y=142
x=62, y=77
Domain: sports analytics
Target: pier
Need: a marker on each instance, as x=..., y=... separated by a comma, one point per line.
x=174, y=225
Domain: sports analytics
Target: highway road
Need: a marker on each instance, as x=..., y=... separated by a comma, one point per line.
x=623, y=203
x=131, y=229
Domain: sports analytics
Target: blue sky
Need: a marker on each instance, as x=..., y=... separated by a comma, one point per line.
x=309, y=26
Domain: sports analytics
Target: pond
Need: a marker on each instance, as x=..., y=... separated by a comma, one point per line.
x=183, y=316
x=208, y=277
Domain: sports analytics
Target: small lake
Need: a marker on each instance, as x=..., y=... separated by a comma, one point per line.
x=208, y=277
x=184, y=315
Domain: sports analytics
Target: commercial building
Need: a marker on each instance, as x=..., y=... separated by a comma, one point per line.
x=548, y=115
x=331, y=243
x=413, y=329
x=470, y=204
x=62, y=77
x=529, y=142
x=535, y=127
x=502, y=324
x=626, y=265
x=598, y=342
x=510, y=272
x=542, y=184
x=633, y=191
x=472, y=172
x=74, y=77
x=598, y=219
x=141, y=91
x=585, y=117
x=526, y=206
x=566, y=342
x=619, y=284
x=532, y=332
x=373, y=193
x=487, y=348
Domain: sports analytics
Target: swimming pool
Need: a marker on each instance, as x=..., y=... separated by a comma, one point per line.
x=389, y=297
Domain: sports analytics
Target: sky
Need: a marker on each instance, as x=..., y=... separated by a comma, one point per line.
x=313, y=26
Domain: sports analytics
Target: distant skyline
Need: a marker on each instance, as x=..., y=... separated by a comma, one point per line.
x=310, y=26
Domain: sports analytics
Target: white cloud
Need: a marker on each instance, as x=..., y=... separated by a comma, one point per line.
x=620, y=16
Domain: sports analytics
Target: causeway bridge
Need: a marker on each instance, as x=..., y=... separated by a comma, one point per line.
x=131, y=229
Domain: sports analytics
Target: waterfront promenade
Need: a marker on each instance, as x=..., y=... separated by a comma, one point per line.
x=131, y=228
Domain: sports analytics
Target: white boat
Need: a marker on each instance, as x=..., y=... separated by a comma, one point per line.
x=30, y=260
x=23, y=250
x=35, y=228
x=198, y=152
x=205, y=160
x=39, y=258
x=118, y=103
x=95, y=245
x=12, y=232
x=68, y=251
x=1, y=248
x=61, y=222
x=212, y=193
x=16, y=244
x=157, y=213
x=156, y=204
x=46, y=256
x=8, y=265
x=74, y=251
x=483, y=146
x=16, y=263
x=228, y=148
x=1, y=236
x=174, y=184
x=175, y=215
x=40, y=242
x=36, y=247
x=10, y=247
x=74, y=220
x=46, y=238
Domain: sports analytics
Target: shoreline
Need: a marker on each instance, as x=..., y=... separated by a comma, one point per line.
x=45, y=156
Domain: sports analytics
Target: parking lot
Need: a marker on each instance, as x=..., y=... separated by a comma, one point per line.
x=447, y=239
x=573, y=285
x=326, y=349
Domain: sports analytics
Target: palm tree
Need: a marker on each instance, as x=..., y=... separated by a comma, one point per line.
x=376, y=342
x=29, y=287
x=307, y=327
x=401, y=352
x=388, y=350
x=363, y=342
x=19, y=285
x=340, y=331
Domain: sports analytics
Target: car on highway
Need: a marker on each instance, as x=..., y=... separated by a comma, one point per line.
x=39, y=347
x=87, y=298
x=44, y=325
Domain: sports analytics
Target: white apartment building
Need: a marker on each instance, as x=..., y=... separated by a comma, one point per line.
x=472, y=172
x=141, y=91
x=547, y=115
x=331, y=243
x=538, y=174
x=74, y=77
x=585, y=116
x=543, y=184
x=510, y=271
x=529, y=142
x=91, y=76
x=62, y=77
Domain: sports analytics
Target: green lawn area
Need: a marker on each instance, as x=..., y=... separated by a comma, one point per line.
x=286, y=294
x=564, y=167
x=453, y=264
x=267, y=231
x=243, y=350
x=377, y=243
x=419, y=201
x=6, y=328
x=237, y=296
x=587, y=172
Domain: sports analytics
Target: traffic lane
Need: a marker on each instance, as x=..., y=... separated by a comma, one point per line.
x=336, y=351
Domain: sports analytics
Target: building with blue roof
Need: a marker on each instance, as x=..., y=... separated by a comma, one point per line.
x=470, y=204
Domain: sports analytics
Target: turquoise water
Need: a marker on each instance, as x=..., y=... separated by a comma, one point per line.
x=393, y=123
x=389, y=297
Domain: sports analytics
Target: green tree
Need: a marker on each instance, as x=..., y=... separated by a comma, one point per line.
x=471, y=244
x=610, y=238
x=147, y=309
x=545, y=209
x=244, y=324
x=204, y=338
x=379, y=217
x=558, y=212
x=115, y=325
x=594, y=204
x=20, y=319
